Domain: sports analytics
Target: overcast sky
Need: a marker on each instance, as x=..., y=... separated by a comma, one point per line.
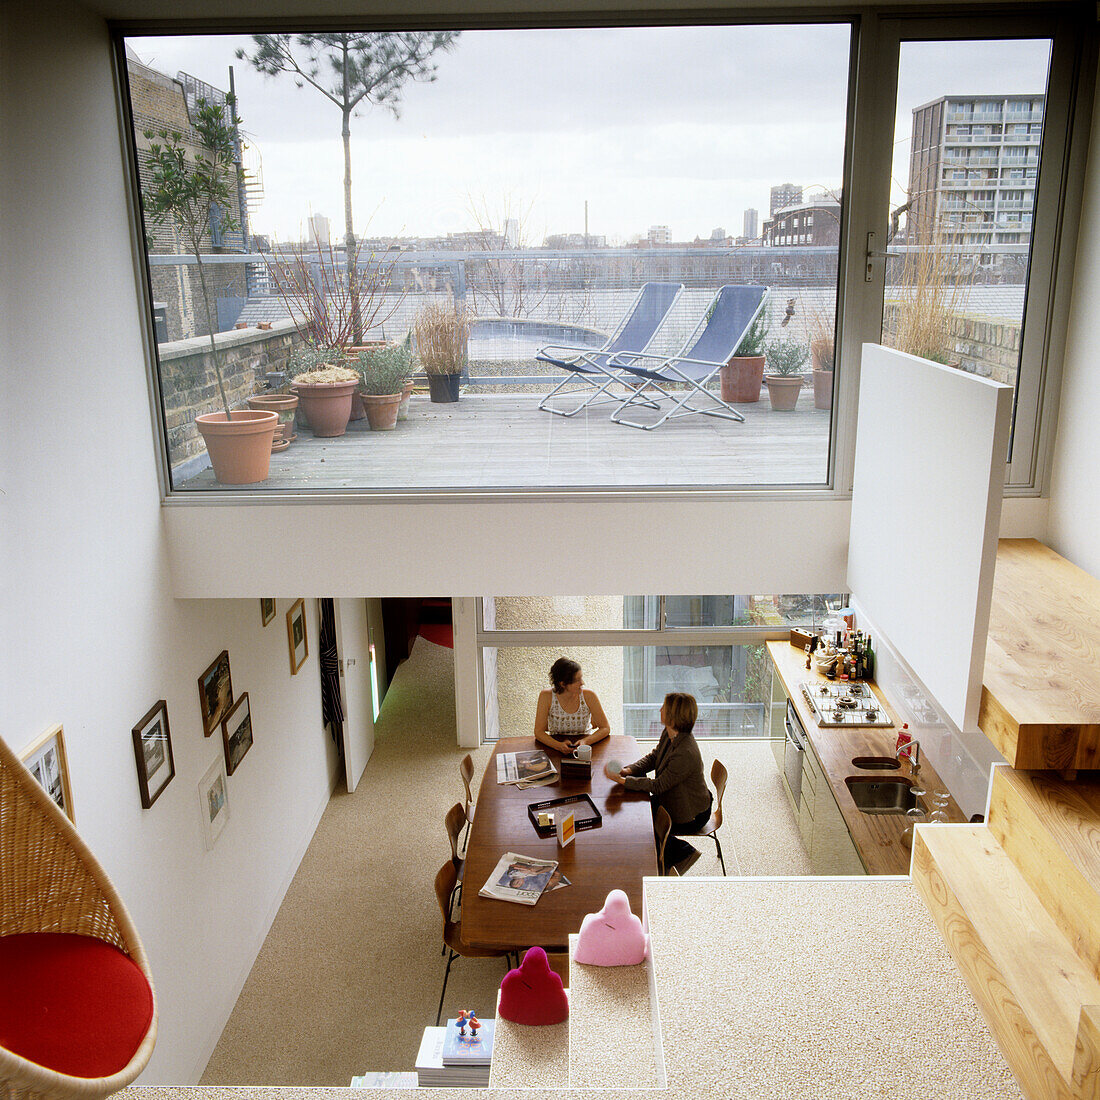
x=684, y=127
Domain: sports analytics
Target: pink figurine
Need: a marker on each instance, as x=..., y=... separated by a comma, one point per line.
x=533, y=994
x=613, y=936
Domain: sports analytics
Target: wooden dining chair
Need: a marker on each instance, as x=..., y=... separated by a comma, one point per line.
x=445, y=882
x=663, y=826
x=466, y=770
x=718, y=776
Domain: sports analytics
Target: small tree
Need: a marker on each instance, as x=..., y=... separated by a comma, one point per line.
x=349, y=70
x=186, y=192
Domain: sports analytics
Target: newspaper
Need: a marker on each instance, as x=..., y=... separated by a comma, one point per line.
x=529, y=767
x=519, y=878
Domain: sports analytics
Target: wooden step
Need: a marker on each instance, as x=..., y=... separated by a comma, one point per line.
x=610, y=1027
x=1037, y=995
x=1050, y=829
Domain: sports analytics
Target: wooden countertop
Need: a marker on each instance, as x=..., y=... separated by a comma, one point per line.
x=1040, y=702
x=877, y=837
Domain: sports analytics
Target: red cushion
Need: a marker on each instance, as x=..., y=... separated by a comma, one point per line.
x=73, y=1004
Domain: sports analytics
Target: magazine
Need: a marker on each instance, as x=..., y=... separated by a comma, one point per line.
x=525, y=767
x=518, y=878
x=556, y=881
x=467, y=1044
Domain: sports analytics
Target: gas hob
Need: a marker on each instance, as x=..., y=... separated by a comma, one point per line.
x=844, y=704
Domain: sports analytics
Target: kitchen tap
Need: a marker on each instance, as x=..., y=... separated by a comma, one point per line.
x=911, y=751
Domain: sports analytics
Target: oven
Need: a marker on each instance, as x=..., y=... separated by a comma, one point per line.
x=793, y=753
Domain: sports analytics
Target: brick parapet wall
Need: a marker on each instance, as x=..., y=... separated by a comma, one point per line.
x=985, y=346
x=189, y=384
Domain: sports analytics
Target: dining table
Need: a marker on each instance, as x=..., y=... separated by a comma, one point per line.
x=617, y=854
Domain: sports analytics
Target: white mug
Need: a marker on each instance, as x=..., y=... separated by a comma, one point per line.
x=583, y=752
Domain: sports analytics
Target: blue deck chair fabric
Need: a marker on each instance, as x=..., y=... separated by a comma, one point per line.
x=709, y=347
x=595, y=370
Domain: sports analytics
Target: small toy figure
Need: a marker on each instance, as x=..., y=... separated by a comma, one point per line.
x=461, y=1022
x=475, y=1023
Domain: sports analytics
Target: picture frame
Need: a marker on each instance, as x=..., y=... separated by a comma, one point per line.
x=156, y=766
x=47, y=762
x=237, y=733
x=296, y=637
x=214, y=802
x=215, y=693
x=267, y=609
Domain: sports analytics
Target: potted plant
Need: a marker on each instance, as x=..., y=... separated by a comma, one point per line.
x=184, y=193
x=384, y=372
x=822, y=357
x=441, y=330
x=325, y=394
x=743, y=375
x=786, y=359
x=284, y=405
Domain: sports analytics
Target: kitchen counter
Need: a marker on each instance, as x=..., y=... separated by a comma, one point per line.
x=877, y=837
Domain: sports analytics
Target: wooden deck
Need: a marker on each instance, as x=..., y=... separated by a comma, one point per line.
x=504, y=441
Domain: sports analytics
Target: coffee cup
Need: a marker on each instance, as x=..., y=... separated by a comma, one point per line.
x=583, y=753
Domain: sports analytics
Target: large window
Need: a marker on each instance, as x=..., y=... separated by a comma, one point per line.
x=634, y=650
x=513, y=200
x=537, y=182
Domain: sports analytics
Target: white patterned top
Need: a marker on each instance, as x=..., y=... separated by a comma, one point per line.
x=560, y=723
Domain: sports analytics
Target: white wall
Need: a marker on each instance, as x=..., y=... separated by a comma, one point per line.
x=93, y=634
x=1075, y=493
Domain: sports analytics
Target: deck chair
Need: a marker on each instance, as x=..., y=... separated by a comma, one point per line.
x=594, y=369
x=704, y=353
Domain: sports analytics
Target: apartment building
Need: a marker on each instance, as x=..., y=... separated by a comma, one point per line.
x=973, y=170
x=115, y=597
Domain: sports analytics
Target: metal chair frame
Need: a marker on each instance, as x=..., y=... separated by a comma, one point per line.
x=668, y=370
x=586, y=369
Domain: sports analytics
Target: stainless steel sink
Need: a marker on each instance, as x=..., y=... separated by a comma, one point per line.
x=873, y=795
x=880, y=763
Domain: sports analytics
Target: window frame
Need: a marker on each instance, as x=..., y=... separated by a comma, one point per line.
x=876, y=34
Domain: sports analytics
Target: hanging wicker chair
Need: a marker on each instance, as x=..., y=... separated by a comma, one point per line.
x=77, y=1009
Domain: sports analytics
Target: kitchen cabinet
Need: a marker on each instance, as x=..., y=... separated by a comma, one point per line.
x=777, y=714
x=833, y=852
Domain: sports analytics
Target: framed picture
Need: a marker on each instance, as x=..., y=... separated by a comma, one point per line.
x=46, y=761
x=237, y=733
x=267, y=609
x=214, y=802
x=215, y=693
x=153, y=753
x=296, y=635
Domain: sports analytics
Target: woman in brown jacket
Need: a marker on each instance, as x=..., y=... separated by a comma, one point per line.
x=677, y=784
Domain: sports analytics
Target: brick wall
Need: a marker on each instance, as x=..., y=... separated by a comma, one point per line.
x=189, y=385
x=157, y=102
x=986, y=346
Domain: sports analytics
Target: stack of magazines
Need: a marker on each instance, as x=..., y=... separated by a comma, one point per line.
x=522, y=879
x=525, y=768
x=445, y=1062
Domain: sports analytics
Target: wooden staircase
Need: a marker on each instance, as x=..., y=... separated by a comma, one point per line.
x=1018, y=903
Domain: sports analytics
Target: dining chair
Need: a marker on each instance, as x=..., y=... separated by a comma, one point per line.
x=663, y=826
x=445, y=882
x=466, y=770
x=69, y=953
x=718, y=776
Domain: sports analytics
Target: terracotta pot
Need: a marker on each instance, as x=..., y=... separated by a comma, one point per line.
x=357, y=410
x=403, y=408
x=284, y=404
x=783, y=391
x=443, y=387
x=327, y=406
x=823, y=389
x=741, y=379
x=351, y=359
x=381, y=410
x=239, y=448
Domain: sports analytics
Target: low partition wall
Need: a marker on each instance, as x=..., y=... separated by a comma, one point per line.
x=189, y=383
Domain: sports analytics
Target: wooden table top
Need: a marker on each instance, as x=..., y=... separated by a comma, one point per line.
x=617, y=855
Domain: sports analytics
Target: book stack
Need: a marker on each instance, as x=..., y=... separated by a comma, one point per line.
x=385, y=1080
x=449, y=1060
